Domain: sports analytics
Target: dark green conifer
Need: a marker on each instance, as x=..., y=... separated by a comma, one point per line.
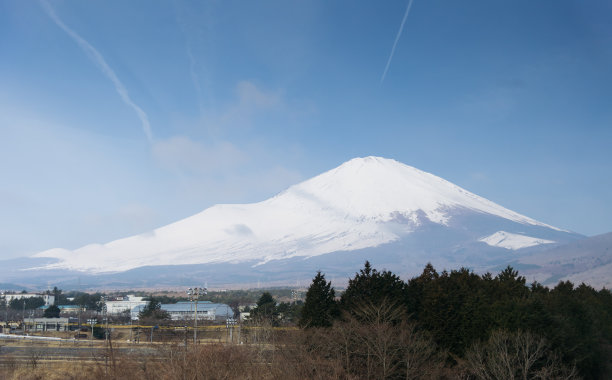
x=266, y=310
x=371, y=287
x=320, y=308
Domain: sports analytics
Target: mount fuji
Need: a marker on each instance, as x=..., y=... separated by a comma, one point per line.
x=371, y=208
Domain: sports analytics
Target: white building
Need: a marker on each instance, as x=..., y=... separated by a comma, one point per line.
x=48, y=298
x=124, y=304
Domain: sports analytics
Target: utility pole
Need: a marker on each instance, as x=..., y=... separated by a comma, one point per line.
x=79, y=326
x=92, y=322
x=105, y=315
x=80, y=306
x=6, y=305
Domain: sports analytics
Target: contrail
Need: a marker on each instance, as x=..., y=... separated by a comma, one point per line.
x=203, y=92
x=399, y=33
x=99, y=60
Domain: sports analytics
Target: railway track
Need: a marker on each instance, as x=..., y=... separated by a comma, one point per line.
x=39, y=354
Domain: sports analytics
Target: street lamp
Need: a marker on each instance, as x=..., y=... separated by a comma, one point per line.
x=194, y=294
x=92, y=322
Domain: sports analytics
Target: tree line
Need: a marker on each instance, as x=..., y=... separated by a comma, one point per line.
x=489, y=326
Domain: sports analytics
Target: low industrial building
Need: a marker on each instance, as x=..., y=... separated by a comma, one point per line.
x=47, y=324
x=207, y=311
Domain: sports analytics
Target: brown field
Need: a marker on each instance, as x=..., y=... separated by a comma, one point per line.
x=349, y=350
x=265, y=353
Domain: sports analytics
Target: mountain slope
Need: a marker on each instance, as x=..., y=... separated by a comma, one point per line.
x=363, y=204
x=587, y=260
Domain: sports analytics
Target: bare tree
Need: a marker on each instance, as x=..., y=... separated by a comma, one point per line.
x=420, y=356
x=376, y=341
x=515, y=355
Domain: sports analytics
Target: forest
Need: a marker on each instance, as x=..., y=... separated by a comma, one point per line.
x=479, y=326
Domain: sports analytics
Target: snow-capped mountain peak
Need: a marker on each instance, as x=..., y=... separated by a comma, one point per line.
x=351, y=207
x=376, y=187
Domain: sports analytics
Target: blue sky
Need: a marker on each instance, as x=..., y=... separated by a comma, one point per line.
x=117, y=117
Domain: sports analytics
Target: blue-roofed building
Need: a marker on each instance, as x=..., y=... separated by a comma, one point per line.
x=207, y=311
x=67, y=309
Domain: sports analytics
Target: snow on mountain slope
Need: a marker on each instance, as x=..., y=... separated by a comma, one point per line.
x=512, y=241
x=344, y=209
x=376, y=187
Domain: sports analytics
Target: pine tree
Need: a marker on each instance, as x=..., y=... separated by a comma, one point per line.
x=320, y=307
x=266, y=310
x=52, y=312
x=416, y=288
x=153, y=310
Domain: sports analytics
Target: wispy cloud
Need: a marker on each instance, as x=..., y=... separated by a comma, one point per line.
x=183, y=155
x=99, y=60
x=237, y=160
x=252, y=108
x=222, y=171
x=397, y=37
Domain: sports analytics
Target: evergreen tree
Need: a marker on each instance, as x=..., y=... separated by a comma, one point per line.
x=52, y=312
x=87, y=301
x=320, y=307
x=265, y=309
x=153, y=310
x=27, y=303
x=371, y=287
x=579, y=328
x=455, y=309
x=509, y=300
x=60, y=298
x=416, y=288
x=289, y=312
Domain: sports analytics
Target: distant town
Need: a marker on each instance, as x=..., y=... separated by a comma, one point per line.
x=53, y=311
